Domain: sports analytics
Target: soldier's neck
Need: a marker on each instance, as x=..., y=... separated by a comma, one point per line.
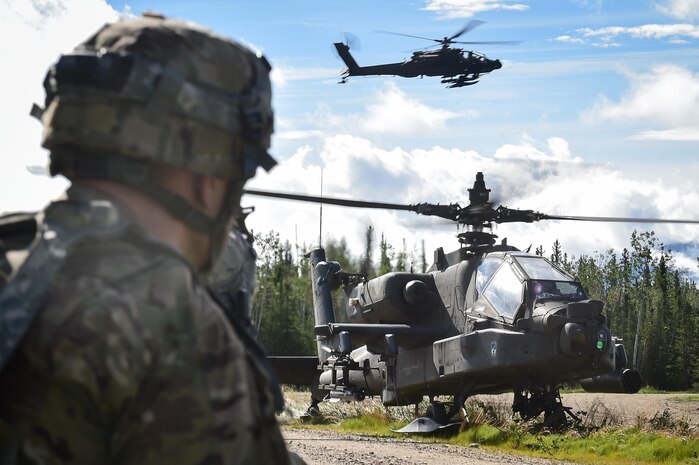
x=148, y=214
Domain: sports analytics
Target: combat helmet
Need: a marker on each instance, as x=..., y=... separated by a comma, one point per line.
x=156, y=90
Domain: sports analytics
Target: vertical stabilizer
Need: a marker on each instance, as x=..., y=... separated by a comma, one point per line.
x=343, y=51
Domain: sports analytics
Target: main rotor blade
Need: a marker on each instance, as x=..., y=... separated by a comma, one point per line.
x=408, y=35
x=491, y=42
x=617, y=219
x=331, y=200
x=474, y=23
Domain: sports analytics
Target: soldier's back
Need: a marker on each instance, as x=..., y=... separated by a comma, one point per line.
x=130, y=361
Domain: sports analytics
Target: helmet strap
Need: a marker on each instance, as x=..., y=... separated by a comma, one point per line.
x=74, y=164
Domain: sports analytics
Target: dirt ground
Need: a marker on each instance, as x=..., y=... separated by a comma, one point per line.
x=626, y=410
x=332, y=448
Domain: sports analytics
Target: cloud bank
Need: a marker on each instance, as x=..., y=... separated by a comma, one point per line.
x=680, y=9
x=667, y=95
x=646, y=31
x=467, y=8
x=390, y=111
x=395, y=112
x=527, y=174
x=607, y=36
x=34, y=33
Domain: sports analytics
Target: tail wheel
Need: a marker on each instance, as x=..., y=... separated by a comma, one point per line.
x=437, y=412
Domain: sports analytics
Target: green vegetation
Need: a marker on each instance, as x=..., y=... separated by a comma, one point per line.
x=686, y=398
x=661, y=440
x=375, y=422
x=598, y=439
x=616, y=447
x=651, y=390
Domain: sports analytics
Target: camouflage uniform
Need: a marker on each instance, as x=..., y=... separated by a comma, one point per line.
x=234, y=278
x=129, y=359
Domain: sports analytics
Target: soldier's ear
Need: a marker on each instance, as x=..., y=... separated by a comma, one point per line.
x=209, y=193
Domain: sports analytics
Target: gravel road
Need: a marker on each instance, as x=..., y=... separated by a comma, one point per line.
x=333, y=448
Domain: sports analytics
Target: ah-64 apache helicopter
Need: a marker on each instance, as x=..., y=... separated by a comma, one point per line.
x=486, y=318
x=456, y=66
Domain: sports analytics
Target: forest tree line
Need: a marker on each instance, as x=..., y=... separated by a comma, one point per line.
x=651, y=303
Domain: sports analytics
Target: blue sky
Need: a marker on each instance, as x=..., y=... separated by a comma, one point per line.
x=596, y=112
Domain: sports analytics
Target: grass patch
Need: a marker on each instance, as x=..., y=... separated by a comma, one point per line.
x=662, y=439
x=485, y=435
x=619, y=447
x=686, y=398
x=605, y=447
x=376, y=422
x=652, y=390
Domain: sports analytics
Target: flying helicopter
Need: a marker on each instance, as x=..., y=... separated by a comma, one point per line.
x=486, y=318
x=457, y=67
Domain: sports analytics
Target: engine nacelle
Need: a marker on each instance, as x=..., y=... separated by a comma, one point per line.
x=397, y=297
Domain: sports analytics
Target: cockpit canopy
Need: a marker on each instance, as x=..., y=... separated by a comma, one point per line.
x=503, y=278
x=476, y=55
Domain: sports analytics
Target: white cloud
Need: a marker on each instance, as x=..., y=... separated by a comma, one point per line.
x=668, y=95
x=569, y=40
x=39, y=30
x=468, y=8
x=606, y=44
x=557, y=150
x=680, y=9
x=647, y=31
x=674, y=134
x=605, y=36
x=281, y=74
x=394, y=112
x=390, y=111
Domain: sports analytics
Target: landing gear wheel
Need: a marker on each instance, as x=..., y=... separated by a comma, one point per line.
x=530, y=402
x=437, y=412
x=313, y=410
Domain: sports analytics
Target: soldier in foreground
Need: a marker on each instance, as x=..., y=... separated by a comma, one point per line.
x=112, y=349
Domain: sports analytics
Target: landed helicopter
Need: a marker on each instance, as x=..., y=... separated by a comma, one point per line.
x=457, y=67
x=484, y=319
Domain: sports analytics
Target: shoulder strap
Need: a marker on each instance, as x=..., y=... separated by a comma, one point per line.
x=256, y=354
x=17, y=231
x=22, y=297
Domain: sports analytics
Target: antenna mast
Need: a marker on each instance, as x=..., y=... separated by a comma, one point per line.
x=320, y=233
